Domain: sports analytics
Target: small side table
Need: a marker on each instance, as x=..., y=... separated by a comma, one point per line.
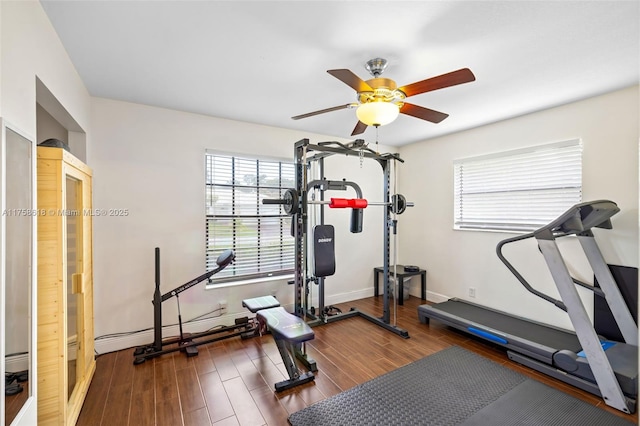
x=402, y=274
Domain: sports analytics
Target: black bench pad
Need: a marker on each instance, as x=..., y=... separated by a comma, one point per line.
x=258, y=303
x=286, y=326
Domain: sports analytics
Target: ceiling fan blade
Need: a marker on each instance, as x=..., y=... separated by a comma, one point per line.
x=423, y=113
x=360, y=128
x=453, y=78
x=322, y=111
x=352, y=80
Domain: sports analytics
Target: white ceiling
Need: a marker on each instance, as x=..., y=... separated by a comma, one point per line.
x=266, y=61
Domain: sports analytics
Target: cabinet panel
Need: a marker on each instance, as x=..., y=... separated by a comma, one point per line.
x=65, y=286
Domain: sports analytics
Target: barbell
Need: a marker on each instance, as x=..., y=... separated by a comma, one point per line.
x=290, y=201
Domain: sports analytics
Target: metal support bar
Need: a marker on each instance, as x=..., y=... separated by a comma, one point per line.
x=286, y=350
x=614, y=298
x=369, y=203
x=386, y=245
x=296, y=378
x=354, y=312
x=598, y=361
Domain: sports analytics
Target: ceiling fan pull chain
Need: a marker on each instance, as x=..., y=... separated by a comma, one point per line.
x=361, y=155
x=377, y=151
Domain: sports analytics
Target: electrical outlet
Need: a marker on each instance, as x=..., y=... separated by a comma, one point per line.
x=472, y=292
x=223, y=305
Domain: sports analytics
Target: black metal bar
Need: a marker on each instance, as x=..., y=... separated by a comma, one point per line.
x=179, y=318
x=517, y=274
x=354, y=312
x=157, y=307
x=241, y=330
x=386, y=312
x=595, y=290
x=347, y=152
x=259, y=223
x=299, y=227
x=228, y=216
x=190, y=284
x=380, y=322
x=321, y=280
x=234, y=231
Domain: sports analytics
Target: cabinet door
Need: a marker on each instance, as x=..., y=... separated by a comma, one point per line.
x=79, y=311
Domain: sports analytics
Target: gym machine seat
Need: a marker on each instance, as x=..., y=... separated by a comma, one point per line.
x=287, y=330
x=259, y=303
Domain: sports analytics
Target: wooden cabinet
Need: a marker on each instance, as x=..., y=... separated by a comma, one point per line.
x=66, y=361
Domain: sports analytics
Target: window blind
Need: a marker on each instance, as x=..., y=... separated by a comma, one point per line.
x=236, y=218
x=517, y=190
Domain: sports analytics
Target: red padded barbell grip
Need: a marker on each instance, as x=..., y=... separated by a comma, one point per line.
x=358, y=203
x=339, y=203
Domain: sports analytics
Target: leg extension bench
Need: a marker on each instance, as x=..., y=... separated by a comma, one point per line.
x=288, y=331
x=256, y=304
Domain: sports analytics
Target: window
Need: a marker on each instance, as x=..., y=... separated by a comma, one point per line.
x=518, y=190
x=260, y=235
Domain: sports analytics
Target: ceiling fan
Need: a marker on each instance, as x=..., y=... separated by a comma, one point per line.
x=380, y=100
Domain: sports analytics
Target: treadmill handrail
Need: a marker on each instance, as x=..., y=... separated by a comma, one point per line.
x=517, y=274
x=580, y=218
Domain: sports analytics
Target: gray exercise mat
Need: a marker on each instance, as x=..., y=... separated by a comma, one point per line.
x=534, y=403
x=451, y=387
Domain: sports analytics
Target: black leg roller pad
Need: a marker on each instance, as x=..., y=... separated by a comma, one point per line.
x=288, y=331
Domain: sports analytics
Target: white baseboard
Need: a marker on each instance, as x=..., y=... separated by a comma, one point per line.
x=20, y=362
x=116, y=343
x=436, y=297
x=16, y=363
x=348, y=297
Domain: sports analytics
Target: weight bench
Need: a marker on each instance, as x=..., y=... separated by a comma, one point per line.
x=258, y=303
x=288, y=331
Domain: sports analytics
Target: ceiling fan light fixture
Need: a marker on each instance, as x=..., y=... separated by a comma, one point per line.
x=377, y=113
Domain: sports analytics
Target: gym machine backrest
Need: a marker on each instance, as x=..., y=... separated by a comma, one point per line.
x=224, y=260
x=324, y=255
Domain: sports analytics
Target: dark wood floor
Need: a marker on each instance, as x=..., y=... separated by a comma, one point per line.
x=13, y=403
x=231, y=381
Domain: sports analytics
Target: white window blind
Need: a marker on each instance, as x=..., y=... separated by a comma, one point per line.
x=517, y=190
x=236, y=219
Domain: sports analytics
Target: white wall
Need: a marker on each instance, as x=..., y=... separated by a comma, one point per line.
x=31, y=48
x=1, y=58
x=151, y=161
x=48, y=127
x=457, y=260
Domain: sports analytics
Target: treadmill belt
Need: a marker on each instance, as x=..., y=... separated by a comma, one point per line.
x=543, y=335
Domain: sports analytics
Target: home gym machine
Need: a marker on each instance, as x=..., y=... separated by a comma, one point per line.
x=583, y=359
x=296, y=202
x=188, y=344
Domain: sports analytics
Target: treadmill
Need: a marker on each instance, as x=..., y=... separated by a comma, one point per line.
x=582, y=358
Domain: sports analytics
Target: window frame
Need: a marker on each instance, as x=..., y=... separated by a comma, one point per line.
x=511, y=225
x=240, y=279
